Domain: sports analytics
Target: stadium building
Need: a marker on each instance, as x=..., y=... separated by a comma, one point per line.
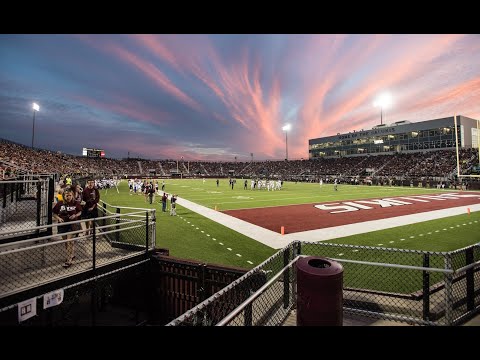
x=401, y=136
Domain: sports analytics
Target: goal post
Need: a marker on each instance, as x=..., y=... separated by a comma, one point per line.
x=477, y=136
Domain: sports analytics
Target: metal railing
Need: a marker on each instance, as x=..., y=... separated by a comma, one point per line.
x=416, y=287
x=32, y=262
x=25, y=203
x=266, y=293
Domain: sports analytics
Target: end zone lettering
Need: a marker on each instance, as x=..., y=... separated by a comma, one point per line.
x=348, y=206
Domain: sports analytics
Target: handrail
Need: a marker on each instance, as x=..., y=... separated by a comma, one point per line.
x=21, y=181
x=125, y=207
x=255, y=295
x=70, y=222
x=408, y=267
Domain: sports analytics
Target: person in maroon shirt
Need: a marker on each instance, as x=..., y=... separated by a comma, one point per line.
x=65, y=211
x=91, y=196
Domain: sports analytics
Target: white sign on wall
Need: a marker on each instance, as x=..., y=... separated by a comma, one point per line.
x=53, y=298
x=27, y=309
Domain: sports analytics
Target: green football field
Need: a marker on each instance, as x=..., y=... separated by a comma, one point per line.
x=192, y=236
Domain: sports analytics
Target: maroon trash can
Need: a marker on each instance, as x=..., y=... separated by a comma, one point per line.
x=319, y=292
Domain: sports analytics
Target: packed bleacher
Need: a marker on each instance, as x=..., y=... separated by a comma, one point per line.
x=441, y=164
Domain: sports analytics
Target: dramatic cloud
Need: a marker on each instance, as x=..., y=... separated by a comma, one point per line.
x=220, y=97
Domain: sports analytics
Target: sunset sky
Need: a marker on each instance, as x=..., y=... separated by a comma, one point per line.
x=217, y=97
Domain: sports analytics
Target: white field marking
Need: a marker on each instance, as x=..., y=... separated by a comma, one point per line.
x=379, y=244
x=188, y=222
x=238, y=255
x=437, y=230
x=221, y=244
x=402, y=239
x=341, y=254
x=193, y=199
x=203, y=231
x=420, y=235
x=208, y=235
x=411, y=237
x=214, y=239
x=429, y=233
x=476, y=221
x=229, y=249
x=444, y=229
x=355, y=250
x=249, y=262
x=451, y=227
x=464, y=224
x=458, y=225
x=192, y=225
x=391, y=242
x=366, y=192
x=470, y=223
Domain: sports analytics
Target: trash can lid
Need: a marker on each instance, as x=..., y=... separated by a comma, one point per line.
x=321, y=266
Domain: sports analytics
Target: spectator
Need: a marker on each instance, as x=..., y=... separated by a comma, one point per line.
x=65, y=211
x=91, y=196
x=173, y=201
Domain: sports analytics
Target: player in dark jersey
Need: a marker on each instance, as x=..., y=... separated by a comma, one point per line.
x=91, y=196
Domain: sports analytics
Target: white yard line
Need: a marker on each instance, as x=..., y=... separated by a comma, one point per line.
x=278, y=241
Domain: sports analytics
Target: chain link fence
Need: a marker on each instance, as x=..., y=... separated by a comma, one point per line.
x=32, y=262
x=416, y=287
x=126, y=219
x=263, y=296
x=24, y=204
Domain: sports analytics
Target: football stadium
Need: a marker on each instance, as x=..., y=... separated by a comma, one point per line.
x=211, y=243
x=241, y=180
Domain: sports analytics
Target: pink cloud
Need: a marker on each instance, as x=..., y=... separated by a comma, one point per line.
x=386, y=77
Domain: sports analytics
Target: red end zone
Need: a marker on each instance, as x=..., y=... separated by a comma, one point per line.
x=315, y=216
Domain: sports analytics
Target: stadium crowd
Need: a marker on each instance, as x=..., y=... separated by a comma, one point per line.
x=439, y=165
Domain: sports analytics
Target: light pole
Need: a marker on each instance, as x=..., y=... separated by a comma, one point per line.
x=286, y=128
x=383, y=101
x=35, y=108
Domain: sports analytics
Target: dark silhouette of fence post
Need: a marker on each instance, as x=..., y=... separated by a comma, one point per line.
x=426, y=287
x=51, y=190
x=39, y=205
x=117, y=221
x=146, y=231
x=470, y=280
x=286, y=279
x=4, y=200
x=104, y=221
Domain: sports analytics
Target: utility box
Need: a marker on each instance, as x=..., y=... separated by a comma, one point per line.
x=319, y=292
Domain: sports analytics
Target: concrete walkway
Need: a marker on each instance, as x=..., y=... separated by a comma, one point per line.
x=278, y=241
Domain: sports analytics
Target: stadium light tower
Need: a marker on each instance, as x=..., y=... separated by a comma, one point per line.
x=383, y=101
x=35, y=109
x=286, y=128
